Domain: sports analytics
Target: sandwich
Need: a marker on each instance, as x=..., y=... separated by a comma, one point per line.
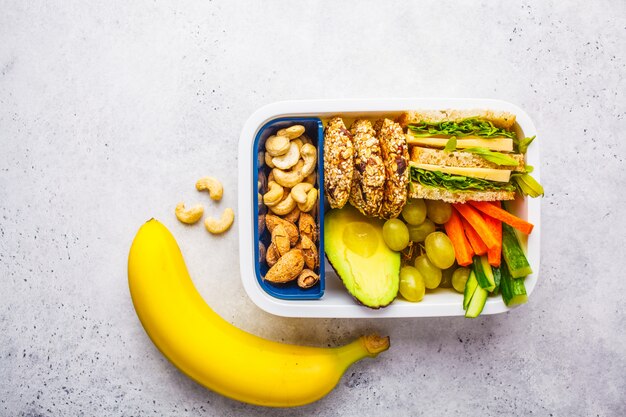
x=467, y=155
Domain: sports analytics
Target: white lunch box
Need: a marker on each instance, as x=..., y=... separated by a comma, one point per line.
x=329, y=298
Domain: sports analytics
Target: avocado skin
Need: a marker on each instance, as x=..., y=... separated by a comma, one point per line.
x=383, y=263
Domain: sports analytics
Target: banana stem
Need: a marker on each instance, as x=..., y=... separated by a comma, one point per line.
x=370, y=345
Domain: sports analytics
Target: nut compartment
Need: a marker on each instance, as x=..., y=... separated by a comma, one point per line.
x=262, y=237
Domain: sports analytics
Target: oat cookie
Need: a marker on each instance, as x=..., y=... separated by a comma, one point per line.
x=368, y=181
x=396, y=160
x=338, y=162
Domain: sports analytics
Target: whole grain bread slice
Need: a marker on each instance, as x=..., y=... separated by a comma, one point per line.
x=460, y=159
x=432, y=193
x=501, y=119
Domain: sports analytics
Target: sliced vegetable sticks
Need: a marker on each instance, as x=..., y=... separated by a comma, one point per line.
x=503, y=215
x=462, y=248
x=477, y=243
x=494, y=255
x=478, y=223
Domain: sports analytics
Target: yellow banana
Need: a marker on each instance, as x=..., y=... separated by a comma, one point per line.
x=217, y=354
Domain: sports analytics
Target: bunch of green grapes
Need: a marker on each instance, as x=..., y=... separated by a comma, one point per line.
x=434, y=266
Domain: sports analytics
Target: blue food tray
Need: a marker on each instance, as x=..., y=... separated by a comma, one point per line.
x=314, y=129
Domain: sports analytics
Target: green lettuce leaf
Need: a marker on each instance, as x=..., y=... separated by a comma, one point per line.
x=457, y=183
x=523, y=144
x=466, y=127
x=450, y=145
x=527, y=185
x=497, y=158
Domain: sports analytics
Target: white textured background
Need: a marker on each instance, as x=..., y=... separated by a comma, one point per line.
x=109, y=112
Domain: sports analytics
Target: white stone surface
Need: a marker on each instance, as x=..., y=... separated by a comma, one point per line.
x=109, y=112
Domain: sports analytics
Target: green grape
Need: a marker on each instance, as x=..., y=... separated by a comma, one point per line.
x=414, y=211
x=412, y=286
x=459, y=278
x=431, y=274
x=438, y=211
x=395, y=234
x=446, y=276
x=418, y=233
x=439, y=250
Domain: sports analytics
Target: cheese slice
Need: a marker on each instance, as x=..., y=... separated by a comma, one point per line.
x=499, y=175
x=496, y=144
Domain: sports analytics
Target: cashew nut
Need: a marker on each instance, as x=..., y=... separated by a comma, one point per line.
x=280, y=239
x=216, y=226
x=268, y=160
x=298, y=143
x=299, y=192
x=292, y=132
x=311, y=178
x=309, y=154
x=277, y=145
x=289, y=178
x=284, y=206
x=271, y=255
x=213, y=185
x=190, y=215
x=289, y=159
x=274, y=194
x=311, y=198
x=307, y=279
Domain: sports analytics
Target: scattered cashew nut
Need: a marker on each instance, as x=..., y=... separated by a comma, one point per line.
x=292, y=132
x=268, y=160
x=299, y=192
x=274, y=195
x=284, y=206
x=190, y=215
x=309, y=154
x=298, y=143
x=307, y=279
x=289, y=159
x=213, y=185
x=277, y=145
x=311, y=198
x=217, y=226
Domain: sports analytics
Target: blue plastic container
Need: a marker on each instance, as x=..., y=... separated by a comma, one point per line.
x=314, y=129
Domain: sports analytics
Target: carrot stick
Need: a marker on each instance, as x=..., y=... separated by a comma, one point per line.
x=494, y=255
x=462, y=249
x=477, y=243
x=478, y=223
x=503, y=215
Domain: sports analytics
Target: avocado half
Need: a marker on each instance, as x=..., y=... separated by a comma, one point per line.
x=355, y=248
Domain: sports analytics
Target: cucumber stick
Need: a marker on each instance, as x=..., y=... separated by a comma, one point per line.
x=477, y=303
x=497, y=277
x=513, y=289
x=513, y=254
x=483, y=272
x=470, y=288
